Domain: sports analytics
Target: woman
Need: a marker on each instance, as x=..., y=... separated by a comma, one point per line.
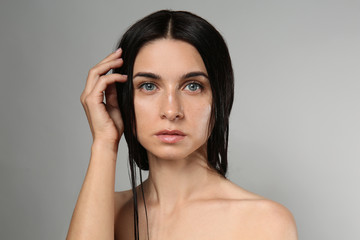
x=170, y=93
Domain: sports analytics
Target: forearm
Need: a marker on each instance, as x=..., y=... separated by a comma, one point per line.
x=93, y=216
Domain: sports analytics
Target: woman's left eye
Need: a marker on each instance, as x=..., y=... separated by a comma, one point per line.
x=193, y=87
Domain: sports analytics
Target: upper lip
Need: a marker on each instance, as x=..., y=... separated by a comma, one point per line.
x=170, y=132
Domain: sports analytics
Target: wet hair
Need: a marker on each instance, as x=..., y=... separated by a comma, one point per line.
x=190, y=28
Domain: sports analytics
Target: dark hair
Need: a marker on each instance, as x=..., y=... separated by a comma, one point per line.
x=188, y=27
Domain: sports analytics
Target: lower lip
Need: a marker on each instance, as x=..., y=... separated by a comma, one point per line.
x=170, y=138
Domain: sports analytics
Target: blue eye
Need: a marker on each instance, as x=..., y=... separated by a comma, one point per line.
x=148, y=86
x=193, y=87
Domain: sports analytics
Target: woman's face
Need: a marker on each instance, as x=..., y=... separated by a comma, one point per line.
x=172, y=99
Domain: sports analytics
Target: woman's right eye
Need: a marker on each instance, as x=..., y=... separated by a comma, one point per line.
x=148, y=87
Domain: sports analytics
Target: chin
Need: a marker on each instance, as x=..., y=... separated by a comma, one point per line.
x=171, y=155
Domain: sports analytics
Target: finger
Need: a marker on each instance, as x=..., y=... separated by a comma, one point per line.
x=103, y=68
x=98, y=91
x=95, y=72
x=112, y=56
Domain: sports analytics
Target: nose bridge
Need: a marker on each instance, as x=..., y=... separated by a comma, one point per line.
x=171, y=104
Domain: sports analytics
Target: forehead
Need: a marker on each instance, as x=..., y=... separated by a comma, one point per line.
x=168, y=57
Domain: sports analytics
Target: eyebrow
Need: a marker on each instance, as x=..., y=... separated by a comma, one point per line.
x=157, y=77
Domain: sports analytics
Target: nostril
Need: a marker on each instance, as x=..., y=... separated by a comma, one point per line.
x=171, y=115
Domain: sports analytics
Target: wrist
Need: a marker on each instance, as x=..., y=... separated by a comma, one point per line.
x=103, y=145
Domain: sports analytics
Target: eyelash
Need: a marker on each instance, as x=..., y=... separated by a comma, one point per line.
x=201, y=87
x=142, y=86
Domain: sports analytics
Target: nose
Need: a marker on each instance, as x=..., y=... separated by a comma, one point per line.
x=171, y=107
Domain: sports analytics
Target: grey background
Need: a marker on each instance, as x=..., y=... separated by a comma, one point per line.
x=295, y=125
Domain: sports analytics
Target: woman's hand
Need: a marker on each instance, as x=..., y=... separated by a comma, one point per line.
x=104, y=118
x=92, y=220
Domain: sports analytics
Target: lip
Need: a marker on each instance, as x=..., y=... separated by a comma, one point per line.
x=170, y=136
x=170, y=132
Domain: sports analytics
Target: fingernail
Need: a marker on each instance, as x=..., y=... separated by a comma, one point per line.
x=118, y=50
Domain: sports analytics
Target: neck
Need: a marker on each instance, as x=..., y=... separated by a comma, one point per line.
x=172, y=183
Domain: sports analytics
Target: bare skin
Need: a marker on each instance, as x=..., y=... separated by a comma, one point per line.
x=185, y=199
x=232, y=213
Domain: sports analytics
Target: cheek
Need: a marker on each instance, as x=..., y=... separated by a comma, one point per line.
x=143, y=113
x=201, y=117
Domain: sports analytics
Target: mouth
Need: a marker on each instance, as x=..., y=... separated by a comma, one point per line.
x=171, y=132
x=170, y=136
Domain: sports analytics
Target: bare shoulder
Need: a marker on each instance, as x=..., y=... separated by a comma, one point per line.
x=270, y=220
x=256, y=217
